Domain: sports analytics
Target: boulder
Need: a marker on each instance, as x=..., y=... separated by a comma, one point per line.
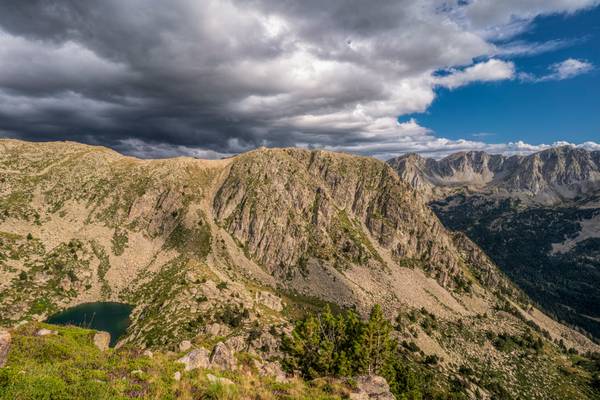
x=65, y=284
x=5, y=339
x=274, y=370
x=177, y=376
x=210, y=290
x=222, y=381
x=198, y=358
x=102, y=340
x=45, y=332
x=236, y=343
x=185, y=345
x=269, y=300
x=371, y=387
x=222, y=357
x=265, y=344
x=217, y=329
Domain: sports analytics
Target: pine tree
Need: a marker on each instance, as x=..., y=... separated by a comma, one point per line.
x=375, y=345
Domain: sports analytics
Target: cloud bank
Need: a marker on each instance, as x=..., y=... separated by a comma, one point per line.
x=216, y=77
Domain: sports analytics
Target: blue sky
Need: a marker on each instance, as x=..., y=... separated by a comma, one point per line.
x=534, y=112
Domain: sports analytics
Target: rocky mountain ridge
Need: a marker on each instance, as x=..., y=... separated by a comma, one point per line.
x=547, y=177
x=235, y=249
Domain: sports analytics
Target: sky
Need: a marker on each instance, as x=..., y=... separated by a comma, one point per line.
x=212, y=78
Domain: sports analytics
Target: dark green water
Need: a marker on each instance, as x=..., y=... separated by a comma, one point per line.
x=103, y=316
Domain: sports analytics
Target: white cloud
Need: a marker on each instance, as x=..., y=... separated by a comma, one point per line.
x=489, y=71
x=523, y=48
x=503, y=19
x=428, y=145
x=567, y=69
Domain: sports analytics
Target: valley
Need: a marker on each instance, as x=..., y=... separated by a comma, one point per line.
x=536, y=216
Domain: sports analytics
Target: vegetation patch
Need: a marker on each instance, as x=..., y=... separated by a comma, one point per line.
x=120, y=239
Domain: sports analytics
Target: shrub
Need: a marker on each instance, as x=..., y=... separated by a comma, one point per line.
x=233, y=315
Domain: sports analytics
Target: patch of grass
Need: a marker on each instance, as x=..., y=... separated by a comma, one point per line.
x=120, y=240
x=195, y=241
x=103, y=267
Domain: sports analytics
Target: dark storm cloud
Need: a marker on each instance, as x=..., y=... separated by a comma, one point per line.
x=157, y=78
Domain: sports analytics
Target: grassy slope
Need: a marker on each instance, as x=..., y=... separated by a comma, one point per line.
x=69, y=366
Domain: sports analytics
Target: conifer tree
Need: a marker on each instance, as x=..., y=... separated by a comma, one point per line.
x=375, y=345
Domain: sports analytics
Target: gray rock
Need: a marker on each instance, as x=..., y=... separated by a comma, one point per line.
x=222, y=357
x=217, y=330
x=236, y=343
x=274, y=370
x=102, y=340
x=5, y=339
x=266, y=345
x=45, y=332
x=185, y=345
x=198, y=358
x=371, y=387
x=269, y=300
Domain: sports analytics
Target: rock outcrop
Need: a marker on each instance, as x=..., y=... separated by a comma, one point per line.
x=222, y=357
x=219, y=380
x=197, y=358
x=45, y=332
x=185, y=345
x=274, y=370
x=269, y=300
x=102, y=340
x=371, y=387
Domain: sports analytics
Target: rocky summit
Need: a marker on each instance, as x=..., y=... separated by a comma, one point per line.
x=222, y=258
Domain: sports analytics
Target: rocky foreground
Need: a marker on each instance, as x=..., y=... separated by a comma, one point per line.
x=53, y=362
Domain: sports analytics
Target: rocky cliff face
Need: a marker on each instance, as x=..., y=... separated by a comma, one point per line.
x=235, y=248
x=332, y=209
x=547, y=177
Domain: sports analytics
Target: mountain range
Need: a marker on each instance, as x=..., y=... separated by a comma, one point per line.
x=237, y=249
x=537, y=216
x=550, y=177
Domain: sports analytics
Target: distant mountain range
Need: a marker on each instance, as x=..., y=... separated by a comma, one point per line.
x=548, y=177
x=536, y=216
